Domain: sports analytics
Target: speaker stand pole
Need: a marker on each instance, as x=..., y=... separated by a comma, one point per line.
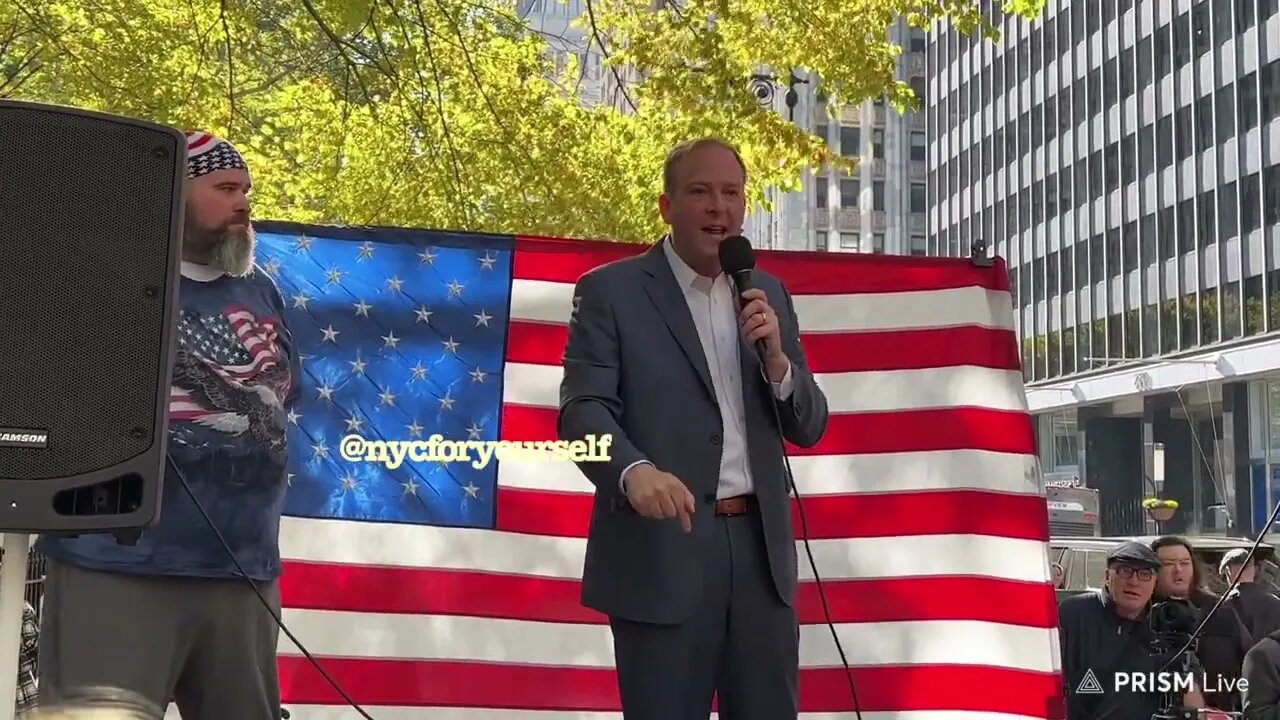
x=13, y=594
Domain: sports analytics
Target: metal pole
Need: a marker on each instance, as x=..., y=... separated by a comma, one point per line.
x=13, y=593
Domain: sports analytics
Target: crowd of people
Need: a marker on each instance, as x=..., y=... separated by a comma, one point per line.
x=1228, y=646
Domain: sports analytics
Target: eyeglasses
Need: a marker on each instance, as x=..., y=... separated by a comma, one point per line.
x=1128, y=571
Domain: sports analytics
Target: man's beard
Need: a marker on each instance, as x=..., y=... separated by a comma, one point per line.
x=229, y=248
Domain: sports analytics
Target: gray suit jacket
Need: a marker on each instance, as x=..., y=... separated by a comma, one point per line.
x=634, y=368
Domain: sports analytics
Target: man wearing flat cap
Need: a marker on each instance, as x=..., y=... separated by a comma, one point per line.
x=172, y=616
x=1106, y=632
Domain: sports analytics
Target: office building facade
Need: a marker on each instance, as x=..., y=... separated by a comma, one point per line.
x=1124, y=157
x=878, y=208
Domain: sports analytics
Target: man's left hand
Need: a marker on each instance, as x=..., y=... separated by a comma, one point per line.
x=760, y=322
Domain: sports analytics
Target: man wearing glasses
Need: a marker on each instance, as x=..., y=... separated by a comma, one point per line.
x=1106, y=632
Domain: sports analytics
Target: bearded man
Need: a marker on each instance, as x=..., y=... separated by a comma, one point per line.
x=171, y=617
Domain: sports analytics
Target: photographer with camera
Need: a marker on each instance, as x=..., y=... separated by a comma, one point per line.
x=1110, y=632
x=1222, y=642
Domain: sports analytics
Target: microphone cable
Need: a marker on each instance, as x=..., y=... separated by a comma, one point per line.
x=182, y=478
x=804, y=535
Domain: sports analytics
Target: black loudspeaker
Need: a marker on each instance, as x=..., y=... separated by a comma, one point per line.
x=91, y=217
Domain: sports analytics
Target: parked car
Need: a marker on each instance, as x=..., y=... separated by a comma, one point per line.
x=1084, y=560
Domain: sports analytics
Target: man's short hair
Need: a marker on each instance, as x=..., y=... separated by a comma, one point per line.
x=687, y=148
x=1236, y=557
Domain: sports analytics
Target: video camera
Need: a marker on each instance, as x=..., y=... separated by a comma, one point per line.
x=1172, y=624
x=1172, y=640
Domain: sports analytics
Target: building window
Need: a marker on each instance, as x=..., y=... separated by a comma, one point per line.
x=1059, y=441
x=918, y=86
x=850, y=141
x=877, y=196
x=877, y=143
x=849, y=193
x=1226, y=102
x=820, y=192
x=919, y=147
x=850, y=241
x=918, y=204
x=1273, y=419
x=1228, y=221
x=877, y=243
x=1250, y=205
x=1247, y=102
x=919, y=245
x=1271, y=91
x=821, y=244
x=1164, y=142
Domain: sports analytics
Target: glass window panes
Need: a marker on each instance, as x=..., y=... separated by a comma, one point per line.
x=849, y=192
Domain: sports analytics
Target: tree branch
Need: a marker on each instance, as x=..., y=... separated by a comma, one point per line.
x=479, y=83
x=231, y=65
x=439, y=103
x=342, y=47
x=595, y=33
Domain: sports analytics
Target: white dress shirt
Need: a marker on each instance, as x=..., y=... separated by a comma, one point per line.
x=715, y=314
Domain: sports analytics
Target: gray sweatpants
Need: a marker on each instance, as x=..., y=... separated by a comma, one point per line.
x=208, y=645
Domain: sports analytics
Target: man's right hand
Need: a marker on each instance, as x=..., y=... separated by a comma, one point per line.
x=659, y=495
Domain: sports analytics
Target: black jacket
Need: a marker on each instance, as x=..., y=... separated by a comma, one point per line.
x=1258, y=608
x=1262, y=672
x=1247, y=616
x=1096, y=641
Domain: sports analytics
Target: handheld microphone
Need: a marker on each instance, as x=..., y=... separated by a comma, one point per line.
x=738, y=260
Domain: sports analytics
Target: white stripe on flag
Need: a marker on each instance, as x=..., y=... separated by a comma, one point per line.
x=495, y=640
x=552, y=302
x=836, y=474
x=395, y=545
x=926, y=389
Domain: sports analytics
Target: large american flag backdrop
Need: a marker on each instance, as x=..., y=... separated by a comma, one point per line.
x=450, y=592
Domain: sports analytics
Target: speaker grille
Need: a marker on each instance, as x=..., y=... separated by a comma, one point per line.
x=86, y=213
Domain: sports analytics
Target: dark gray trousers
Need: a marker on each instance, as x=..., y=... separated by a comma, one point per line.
x=741, y=646
x=208, y=645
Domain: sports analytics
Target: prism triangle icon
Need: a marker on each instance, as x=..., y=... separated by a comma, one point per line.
x=1089, y=684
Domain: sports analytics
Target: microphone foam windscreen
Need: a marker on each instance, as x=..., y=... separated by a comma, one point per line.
x=736, y=254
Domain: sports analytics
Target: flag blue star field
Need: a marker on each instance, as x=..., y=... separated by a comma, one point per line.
x=399, y=341
x=436, y=590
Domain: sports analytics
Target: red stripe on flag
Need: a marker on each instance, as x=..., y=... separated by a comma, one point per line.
x=543, y=344
x=433, y=591
x=558, y=260
x=939, y=512
x=443, y=683
x=806, y=273
x=810, y=273
x=838, y=352
x=536, y=343
x=857, y=433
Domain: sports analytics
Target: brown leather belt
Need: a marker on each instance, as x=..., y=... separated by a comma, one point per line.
x=735, y=506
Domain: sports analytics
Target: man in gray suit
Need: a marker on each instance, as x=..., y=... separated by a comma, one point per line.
x=691, y=551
